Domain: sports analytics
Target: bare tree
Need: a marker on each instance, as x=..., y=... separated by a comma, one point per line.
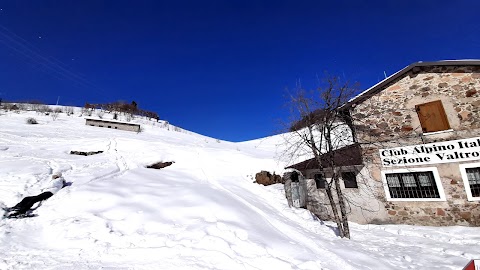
x=128, y=117
x=87, y=109
x=69, y=110
x=318, y=128
x=54, y=114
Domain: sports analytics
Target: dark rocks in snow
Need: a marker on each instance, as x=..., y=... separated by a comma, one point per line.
x=266, y=178
x=31, y=121
x=160, y=165
x=85, y=153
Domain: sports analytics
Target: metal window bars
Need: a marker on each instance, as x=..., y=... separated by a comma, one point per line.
x=473, y=176
x=412, y=185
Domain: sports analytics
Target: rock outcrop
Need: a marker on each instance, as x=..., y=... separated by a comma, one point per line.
x=266, y=178
x=160, y=165
x=85, y=153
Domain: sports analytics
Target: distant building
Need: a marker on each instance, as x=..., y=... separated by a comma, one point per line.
x=112, y=124
x=416, y=156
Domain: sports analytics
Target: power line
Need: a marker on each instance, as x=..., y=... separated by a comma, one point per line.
x=32, y=52
x=51, y=66
x=32, y=59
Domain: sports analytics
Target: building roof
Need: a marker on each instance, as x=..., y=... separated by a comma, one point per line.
x=346, y=156
x=415, y=68
x=312, y=117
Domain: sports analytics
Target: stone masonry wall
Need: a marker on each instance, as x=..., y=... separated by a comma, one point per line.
x=456, y=210
x=363, y=205
x=391, y=113
x=388, y=119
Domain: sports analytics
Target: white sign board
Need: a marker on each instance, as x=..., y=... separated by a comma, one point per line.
x=432, y=153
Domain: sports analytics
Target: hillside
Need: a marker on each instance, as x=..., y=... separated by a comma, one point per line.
x=202, y=212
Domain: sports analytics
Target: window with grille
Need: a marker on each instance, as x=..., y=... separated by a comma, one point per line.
x=349, y=179
x=432, y=116
x=473, y=176
x=410, y=185
x=471, y=180
x=319, y=181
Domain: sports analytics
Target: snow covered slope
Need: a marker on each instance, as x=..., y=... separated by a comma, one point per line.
x=203, y=212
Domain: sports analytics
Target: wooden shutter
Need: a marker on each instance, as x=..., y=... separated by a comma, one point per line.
x=432, y=116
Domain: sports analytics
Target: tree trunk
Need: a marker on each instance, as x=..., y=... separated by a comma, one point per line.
x=328, y=189
x=341, y=200
x=343, y=210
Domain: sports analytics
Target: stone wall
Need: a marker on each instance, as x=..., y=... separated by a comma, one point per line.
x=388, y=119
x=390, y=114
x=455, y=210
x=364, y=204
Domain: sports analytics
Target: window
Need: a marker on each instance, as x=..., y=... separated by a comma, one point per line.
x=471, y=180
x=349, y=179
x=109, y=126
x=294, y=176
x=432, y=116
x=473, y=176
x=320, y=181
x=420, y=184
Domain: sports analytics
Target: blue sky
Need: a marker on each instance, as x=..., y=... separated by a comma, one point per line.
x=219, y=68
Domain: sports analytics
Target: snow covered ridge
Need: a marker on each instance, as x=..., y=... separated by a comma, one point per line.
x=202, y=212
x=95, y=114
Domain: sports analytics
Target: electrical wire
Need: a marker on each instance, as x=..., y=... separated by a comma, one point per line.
x=49, y=65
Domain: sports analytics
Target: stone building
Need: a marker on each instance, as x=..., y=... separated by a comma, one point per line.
x=112, y=124
x=416, y=156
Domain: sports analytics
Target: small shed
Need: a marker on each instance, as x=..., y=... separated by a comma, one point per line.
x=112, y=124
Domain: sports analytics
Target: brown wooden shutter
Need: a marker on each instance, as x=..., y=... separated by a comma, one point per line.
x=432, y=116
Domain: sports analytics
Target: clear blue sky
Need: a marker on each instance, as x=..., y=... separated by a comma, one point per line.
x=219, y=68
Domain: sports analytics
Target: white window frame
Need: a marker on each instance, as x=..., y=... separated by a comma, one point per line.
x=463, y=172
x=436, y=176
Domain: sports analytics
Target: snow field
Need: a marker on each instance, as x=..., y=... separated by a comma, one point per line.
x=202, y=212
